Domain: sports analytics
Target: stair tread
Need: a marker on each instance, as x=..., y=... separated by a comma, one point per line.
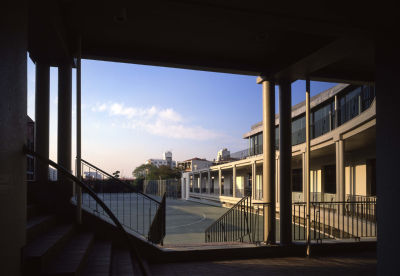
x=99, y=259
x=43, y=243
x=31, y=211
x=70, y=259
x=38, y=225
x=32, y=222
x=122, y=263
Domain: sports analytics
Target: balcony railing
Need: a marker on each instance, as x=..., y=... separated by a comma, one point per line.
x=335, y=220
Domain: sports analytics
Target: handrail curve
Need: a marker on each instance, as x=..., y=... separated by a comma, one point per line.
x=88, y=190
x=118, y=180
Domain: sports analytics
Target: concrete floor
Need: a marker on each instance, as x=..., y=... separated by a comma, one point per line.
x=186, y=221
x=344, y=264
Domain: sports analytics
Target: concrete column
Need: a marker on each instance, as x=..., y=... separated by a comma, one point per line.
x=387, y=70
x=190, y=181
x=209, y=181
x=220, y=181
x=277, y=179
x=306, y=165
x=253, y=180
x=340, y=171
x=64, y=132
x=285, y=155
x=42, y=122
x=304, y=170
x=13, y=124
x=78, y=172
x=234, y=180
x=200, y=182
x=336, y=112
x=269, y=158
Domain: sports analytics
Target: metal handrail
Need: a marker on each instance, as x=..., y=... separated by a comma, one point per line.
x=234, y=225
x=118, y=180
x=127, y=221
x=226, y=213
x=88, y=190
x=336, y=220
x=154, y=233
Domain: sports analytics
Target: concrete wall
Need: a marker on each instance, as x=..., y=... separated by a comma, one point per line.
x=356, y=179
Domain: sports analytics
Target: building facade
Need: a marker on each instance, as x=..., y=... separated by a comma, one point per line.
x=165, y=161
x=343, y=155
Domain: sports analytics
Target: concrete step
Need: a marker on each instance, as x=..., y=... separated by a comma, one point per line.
x=72, y=257
x=206, y=246
x=99, y=259
x=32, y=210
x=42, y=250
x=122, y=263
x=38, y=225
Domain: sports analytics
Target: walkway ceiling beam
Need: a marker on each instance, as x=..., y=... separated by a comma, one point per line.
x=336, y=51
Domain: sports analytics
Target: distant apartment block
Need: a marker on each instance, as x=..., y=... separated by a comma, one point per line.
x=165, y=161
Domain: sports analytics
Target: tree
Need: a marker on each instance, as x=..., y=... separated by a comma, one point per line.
x=116, y=174
x=145, y=170
x=151, y=172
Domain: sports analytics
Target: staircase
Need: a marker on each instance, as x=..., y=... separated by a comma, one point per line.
x=58, y=247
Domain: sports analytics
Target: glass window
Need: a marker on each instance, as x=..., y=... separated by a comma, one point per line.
x=321, y=120
x=299, y=130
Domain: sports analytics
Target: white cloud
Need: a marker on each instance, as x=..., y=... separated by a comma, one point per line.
x=162, y=122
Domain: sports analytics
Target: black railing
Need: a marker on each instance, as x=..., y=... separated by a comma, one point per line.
x=135, y=210
x=170, y=187
x=157, y=227
x=335, y=220
x=234, y=225
x=90, y=192
x=241, y=223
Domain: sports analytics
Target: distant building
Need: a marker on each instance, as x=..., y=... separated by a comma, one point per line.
x=92, y=175
x=342, y=162
x=166, y=161
x=194, y=164
x=223, y=154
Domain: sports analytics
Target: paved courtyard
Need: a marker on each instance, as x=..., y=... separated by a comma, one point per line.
x=187, y=220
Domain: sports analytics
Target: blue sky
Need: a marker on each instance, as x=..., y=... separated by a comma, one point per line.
x=131, y=113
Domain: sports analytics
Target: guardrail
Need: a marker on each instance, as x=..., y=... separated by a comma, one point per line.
x=234, y=225
x=335, y=220
x=170, y=187
x=135, y=210
x=244, y=222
